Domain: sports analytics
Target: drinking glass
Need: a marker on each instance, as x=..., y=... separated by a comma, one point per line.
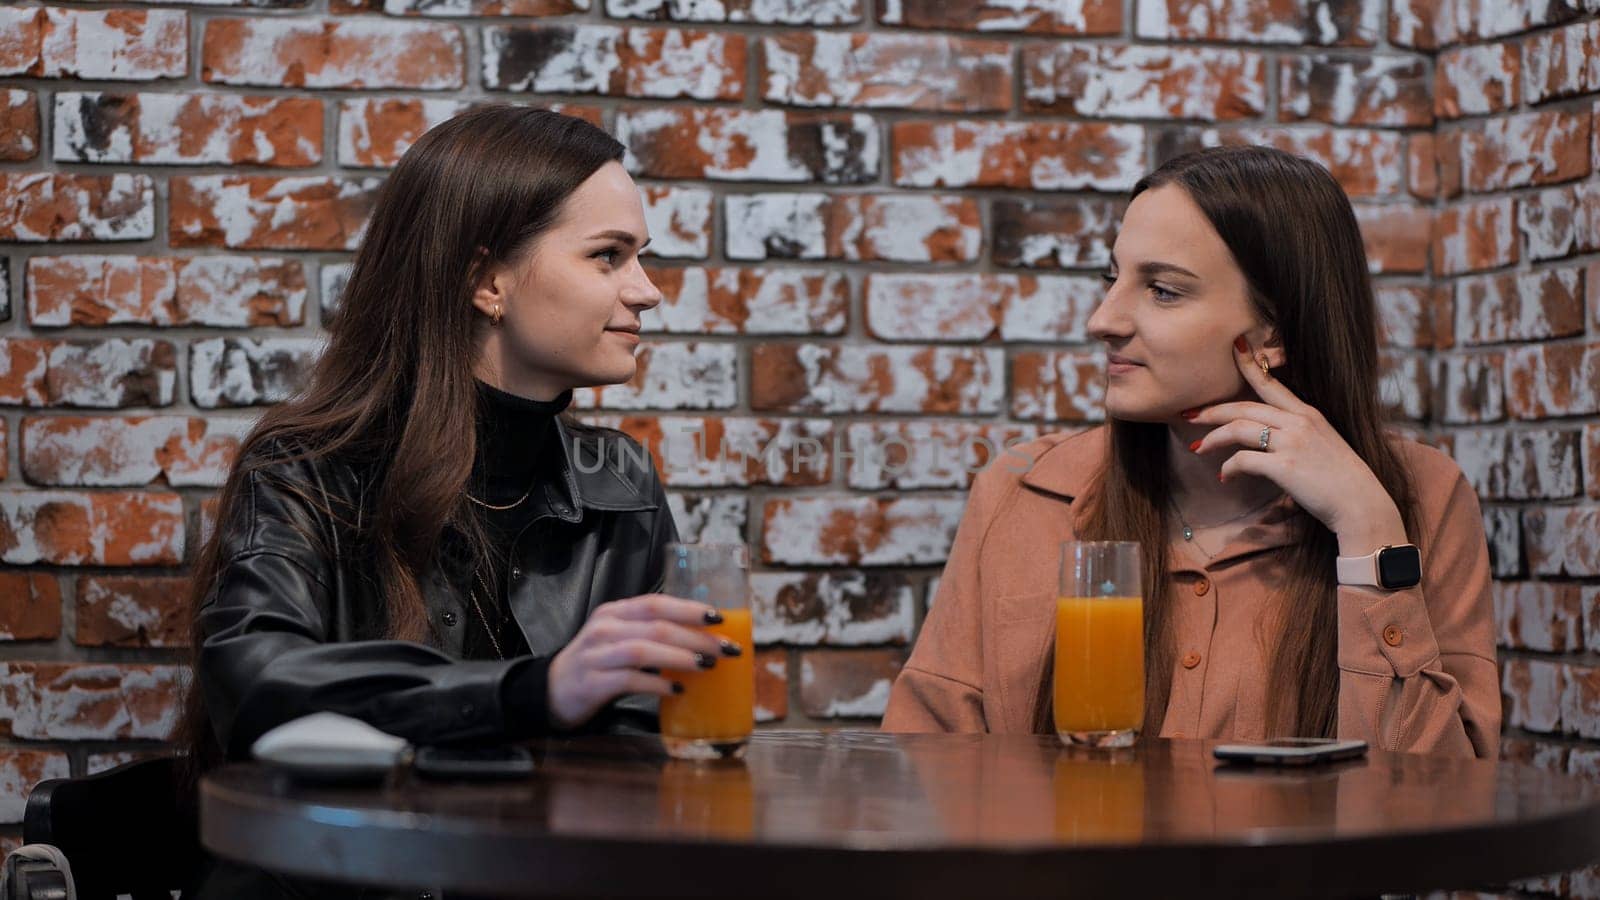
x=713, y=717
x=1099, y=661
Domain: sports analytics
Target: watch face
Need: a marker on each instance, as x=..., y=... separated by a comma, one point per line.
x=1399, y=567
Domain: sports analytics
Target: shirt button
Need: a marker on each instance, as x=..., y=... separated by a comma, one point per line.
x=1191, y=659
x=1393, y=636
x=467, y=709
x=1179, y=734
x=1201, y=587
x=449, y=618
x=516, y=572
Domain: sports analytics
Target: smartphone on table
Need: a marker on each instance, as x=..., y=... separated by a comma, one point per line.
x=1291, y=751
x=472, y=763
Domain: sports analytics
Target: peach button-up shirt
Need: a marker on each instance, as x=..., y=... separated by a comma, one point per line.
x=1417, y=666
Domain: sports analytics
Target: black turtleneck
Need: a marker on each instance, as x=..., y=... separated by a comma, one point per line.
x=517, y=456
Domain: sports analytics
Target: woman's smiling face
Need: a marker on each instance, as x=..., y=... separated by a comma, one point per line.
x=1175, y=302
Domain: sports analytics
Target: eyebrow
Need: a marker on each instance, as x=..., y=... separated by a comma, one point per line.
x=625, y=237
x=1152, y=269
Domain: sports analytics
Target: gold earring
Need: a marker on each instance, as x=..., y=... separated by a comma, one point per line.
x=1261, y=360
x=498, y=315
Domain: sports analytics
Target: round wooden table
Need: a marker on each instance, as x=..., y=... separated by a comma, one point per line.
x=962, y=816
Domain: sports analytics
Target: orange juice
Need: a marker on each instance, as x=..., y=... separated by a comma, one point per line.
x=1099, y=800
x=1099, y=679
x=717, y=704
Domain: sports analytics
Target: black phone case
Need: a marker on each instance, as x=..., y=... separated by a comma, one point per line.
x=467, y=764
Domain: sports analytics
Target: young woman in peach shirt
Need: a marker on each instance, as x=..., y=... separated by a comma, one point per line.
x=1246, y=454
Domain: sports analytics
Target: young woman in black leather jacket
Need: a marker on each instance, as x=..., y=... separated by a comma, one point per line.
x=420, y=539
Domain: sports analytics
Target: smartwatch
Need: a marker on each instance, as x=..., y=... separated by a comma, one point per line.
x=1391, y=568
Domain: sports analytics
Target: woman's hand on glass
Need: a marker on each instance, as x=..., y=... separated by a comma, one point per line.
x=624, y=647
x=1304, y=456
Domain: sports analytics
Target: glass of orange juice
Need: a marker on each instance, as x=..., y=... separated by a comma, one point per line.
x=1099, y=662
x=713, y=717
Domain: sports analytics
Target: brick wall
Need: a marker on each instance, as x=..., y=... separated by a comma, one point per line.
x=877, y=223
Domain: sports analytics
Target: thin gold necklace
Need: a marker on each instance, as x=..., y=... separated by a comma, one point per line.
x=513, y=505
x=487, y=628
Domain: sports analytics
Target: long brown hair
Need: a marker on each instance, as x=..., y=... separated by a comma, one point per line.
x=1292, y=232
x=394, y=387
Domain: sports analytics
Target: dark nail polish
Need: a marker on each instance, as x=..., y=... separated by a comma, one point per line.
x=650, y=670
x=713, y=617
x=1241, y=345
x=704, y=661
x=677, y=687
x=1194, y=447
x=729, y=648
x=1189, y=414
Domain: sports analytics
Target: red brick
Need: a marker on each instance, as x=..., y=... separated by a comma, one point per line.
x=132, y=612
x=605, y=59
x=94, y=45
x=790, y=12
x=1591, y=462
x=1520, y=465
x=375, y=131
x=1405, y=390
x=1503, y=528
x=1395, y=237
x=1561, y=221
x=1406, y=315
x=1366, y=163
x=1054, y=233
x=100, y=451
x=1143, y=81
x=1562, y=63
x=732, y=451
x=833, y=378
x=1545, y=380
x=1532, y=690
x=89, y=701
x=1038, y=155
x=1470, y=237
x=1580, y=701
x=187, y=129
x=248, y=372
x=674, y=376
x=750, y=145
x=330, y=53
x=847, y=608
x=1356, y=90
x=1058, y=385
x=1422, y=24
x=844, y=684
x=100, y=762
x=1525, y=150
x=1280, y=22
x=1422, y=166
x=853, y=530
x=261, y=212
x=712, y=519
x=772, y=685
x=1032, y=16
x=1522, y=306
x=1560, y=540
x=100, y=374
x=1476, y=80
x=1448, y=158
x=973, y=307
x=4, y=434
x=1470, y=388
x=116, y=528
x=30, y=606
x=529, y=8
x=894, y=227
x=222, y=291
x=943, y=74
x=729, y=300
x=20, y=770
x=1538, y=616
x=44, y=206
x=926, y=453
x=1591, y=628
x=679, y=221
x=19, y=125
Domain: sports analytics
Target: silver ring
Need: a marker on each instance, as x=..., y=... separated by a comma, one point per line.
x=1266, y=437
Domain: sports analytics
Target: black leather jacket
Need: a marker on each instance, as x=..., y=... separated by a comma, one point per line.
x=294, y=625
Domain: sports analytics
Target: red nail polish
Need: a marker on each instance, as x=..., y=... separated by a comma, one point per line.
x=1222, y=478
x=1241, y=345
x=1194, y=447
x=1189, y=414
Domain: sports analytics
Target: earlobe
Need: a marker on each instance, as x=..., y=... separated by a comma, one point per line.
x=487, y=295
